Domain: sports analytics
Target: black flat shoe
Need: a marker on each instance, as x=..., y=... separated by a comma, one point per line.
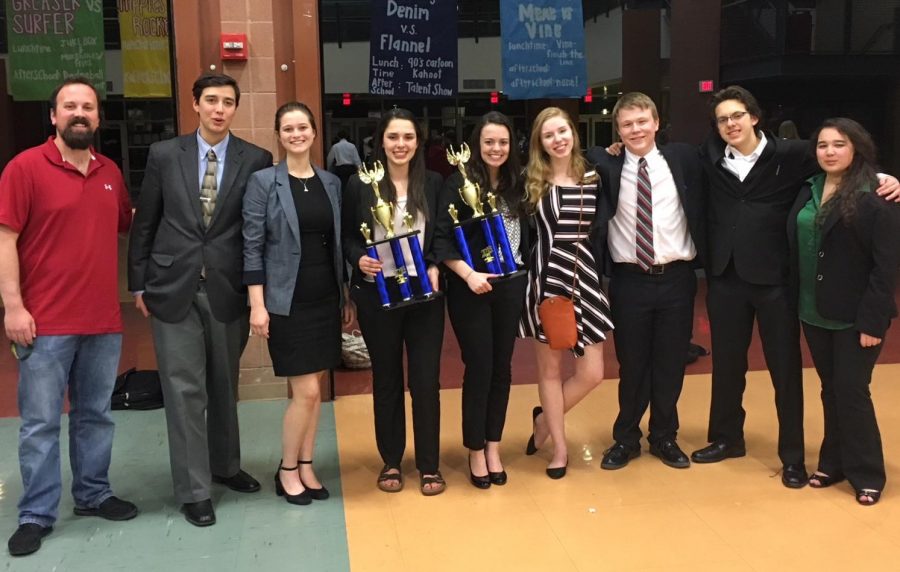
x=199, y=513
x=479, y=482
x=557, y=472
x=531, y=448
x=320, y=493
x=498, y=479
x=301, y=499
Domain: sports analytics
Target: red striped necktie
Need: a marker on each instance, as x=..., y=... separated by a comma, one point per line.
x=644, y=226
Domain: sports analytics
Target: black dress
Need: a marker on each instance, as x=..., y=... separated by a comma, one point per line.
x=309, y=339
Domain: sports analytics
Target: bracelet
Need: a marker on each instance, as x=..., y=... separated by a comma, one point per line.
x=471, y=272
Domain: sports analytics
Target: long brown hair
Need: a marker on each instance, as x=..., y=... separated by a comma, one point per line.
x=859, y=176
x=538, y=172
x=508, y=184
x=415, y=202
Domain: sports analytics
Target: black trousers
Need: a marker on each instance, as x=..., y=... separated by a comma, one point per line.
x=733, y=305
x=420, y=329
x=485, y=326
x=852, y=442
x=654, y=315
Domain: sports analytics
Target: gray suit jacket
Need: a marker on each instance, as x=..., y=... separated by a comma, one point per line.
x=169, y=243
x=272, y=234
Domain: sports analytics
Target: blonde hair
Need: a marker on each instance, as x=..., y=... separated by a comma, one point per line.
x=538, y=172
x=633, y=99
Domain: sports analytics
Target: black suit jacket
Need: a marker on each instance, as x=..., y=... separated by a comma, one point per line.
x=690, y=181
x=358, y=200
x=857, y=264
x=170, y=244
x=747, y=218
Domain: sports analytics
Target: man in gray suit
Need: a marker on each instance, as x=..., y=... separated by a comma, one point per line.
x=184, y=266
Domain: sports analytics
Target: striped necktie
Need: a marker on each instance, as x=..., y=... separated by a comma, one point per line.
x=209, y=190
x=644, y=226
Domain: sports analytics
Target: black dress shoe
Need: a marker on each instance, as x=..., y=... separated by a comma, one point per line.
x=794, y=476
x=479, y=482
x=320, y=493
x=530, y=447
x=199, y=513
x=27, y=539
x=670, y=454
x=618, y=456
x=300, y=499
x=112, y=508
x=718, y=451
x=498, y=479
x=240, y=482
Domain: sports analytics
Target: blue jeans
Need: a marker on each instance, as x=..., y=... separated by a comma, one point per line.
x=87, y=365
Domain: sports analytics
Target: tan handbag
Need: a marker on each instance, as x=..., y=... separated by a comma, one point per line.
x=557, y=313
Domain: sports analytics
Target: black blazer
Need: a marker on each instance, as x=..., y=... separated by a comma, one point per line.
x=445, y=246
x=857, y=264
x=690, y=181
x=358, y=200
x=169, y=243
x=747, y=218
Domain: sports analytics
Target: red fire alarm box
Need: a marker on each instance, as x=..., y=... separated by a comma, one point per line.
x=234, y=47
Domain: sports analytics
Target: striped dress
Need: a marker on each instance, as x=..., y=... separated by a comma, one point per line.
x=553, y=263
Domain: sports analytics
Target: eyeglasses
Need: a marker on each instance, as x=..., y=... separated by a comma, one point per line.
x=736, y=116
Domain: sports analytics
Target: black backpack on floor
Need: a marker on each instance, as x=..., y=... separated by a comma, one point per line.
x=139, y=390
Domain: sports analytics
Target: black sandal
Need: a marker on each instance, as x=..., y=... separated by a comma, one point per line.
x=872, y=494
x=436, y=478
x=384, y=476
x=819, y=480
x=320, y=493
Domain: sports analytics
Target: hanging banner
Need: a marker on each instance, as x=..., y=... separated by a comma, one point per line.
x=413, y=48
x=144, y=29
x=50, y=40
x=542, y=48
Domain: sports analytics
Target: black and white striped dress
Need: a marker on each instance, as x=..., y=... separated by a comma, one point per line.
x=553, y=263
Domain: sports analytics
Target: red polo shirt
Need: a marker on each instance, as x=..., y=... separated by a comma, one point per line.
x=68, y=226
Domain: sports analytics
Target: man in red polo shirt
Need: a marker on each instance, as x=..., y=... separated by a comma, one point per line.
x=62, y=206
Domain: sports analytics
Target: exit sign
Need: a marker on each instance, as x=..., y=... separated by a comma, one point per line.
x=706, y=86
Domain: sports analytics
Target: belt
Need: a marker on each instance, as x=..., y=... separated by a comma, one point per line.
x=655, y=269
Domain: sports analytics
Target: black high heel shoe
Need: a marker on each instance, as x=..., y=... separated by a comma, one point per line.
x=531, y=448
x=303, y=498
x=479, y=482
x=558, y=472
x=320, y=493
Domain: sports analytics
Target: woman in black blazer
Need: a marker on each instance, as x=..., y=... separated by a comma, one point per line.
x=418, y=327
x=845, y=259
x=293, y=267
x=485, y=314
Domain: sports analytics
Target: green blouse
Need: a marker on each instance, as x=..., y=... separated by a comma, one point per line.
x=809, y=239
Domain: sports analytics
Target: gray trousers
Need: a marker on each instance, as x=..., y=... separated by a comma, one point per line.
x=199, y=360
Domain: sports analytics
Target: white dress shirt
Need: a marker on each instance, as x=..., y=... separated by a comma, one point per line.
x=671, y=236
x=741, y=164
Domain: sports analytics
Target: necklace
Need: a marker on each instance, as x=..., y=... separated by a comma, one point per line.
x=303, y=182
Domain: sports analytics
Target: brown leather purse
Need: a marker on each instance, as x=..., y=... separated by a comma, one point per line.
x=557, y=313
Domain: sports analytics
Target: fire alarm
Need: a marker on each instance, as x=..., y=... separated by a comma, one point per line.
x=234, y=47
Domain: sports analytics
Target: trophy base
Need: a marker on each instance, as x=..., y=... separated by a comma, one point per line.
x=393, y=238
x=413, y=301
x=506, y=277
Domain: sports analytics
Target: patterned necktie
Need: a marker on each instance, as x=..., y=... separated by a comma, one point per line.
x=644, y=227
x=208, y=189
